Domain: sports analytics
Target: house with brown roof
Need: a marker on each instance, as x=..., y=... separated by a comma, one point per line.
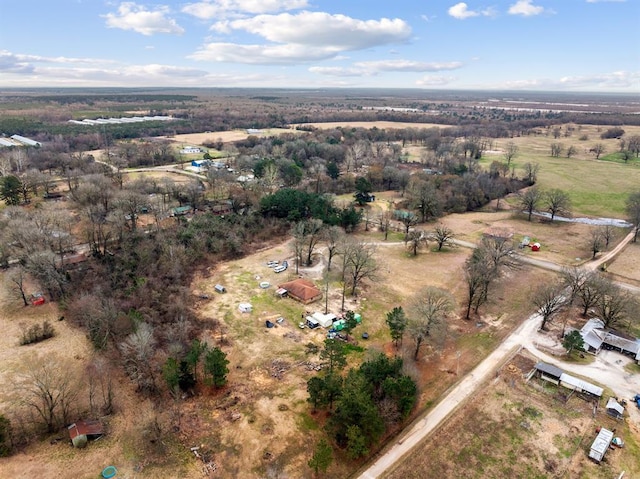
x=302, y=290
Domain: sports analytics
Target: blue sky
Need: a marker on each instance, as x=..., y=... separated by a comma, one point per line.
x=560, y=45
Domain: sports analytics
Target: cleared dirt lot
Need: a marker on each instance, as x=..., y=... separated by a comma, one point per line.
x=517, y=429
x=225, y=136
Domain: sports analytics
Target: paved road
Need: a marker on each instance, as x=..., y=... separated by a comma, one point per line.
x=602, y=371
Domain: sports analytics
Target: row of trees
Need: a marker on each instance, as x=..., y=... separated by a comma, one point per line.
x=555, y=202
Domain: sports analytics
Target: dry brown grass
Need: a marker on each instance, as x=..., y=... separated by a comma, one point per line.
x=513, y=429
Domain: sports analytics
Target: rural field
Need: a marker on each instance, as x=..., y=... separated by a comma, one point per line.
x=518, y=428
x=261, y=424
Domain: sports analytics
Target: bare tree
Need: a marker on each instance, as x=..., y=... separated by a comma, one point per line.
x=510, y=152
x=529, y=200
x=385, y=222
x=101, y=395
x=557, y=203
x=415, y=240
x=633, y=213
x=425, y=199
x=129, y=203
x=48, y=389
x=408, y=219
x=556, y=149
x=608, y=233
x=590, y=290
x=17, y=277
x=333, y=235
x=596, y=242
x=549, y=301
x=531, y=172
x=137, y=351
x=571, y=151
x=307, y=234
x=428, y=314
x=614, y=304
x=359, y=264
x=442, y=235
x=597, y=150
x=574, y=278
x=43, y=265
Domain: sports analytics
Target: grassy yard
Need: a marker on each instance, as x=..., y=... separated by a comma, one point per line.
x=597, y=187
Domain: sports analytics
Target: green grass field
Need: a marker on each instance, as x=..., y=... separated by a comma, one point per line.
x=596, y=187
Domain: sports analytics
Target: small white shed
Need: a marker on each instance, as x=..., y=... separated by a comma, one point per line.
x=324, y=320
x=245, y=307
x=601, y=444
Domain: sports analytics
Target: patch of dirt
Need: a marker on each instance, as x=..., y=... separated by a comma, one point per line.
x=562, y=243
x=516, y=429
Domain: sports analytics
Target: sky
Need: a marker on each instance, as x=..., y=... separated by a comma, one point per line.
x=545, y=45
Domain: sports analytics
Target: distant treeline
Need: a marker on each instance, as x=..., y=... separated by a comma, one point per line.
x=110, y=98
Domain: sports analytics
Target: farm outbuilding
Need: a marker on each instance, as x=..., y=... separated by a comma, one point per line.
x=580, y=386
x=614, y=408
x=83, y=431
x=324, y=320
x=25, y=141
x=600, y=444
x=549, y=372
x=596, y=337
x=302, y=290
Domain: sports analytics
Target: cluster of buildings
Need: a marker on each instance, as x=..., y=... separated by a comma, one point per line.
x=596, y=337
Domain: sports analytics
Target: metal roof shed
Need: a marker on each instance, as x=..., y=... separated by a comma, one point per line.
x=82, y=431
x=614, y=408
x=601, y=444
x=549, y=372
x=324, y=320
x=579, y=385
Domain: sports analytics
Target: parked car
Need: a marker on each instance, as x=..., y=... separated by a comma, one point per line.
x=220, y=289
x=273, y=264
x=301, y=325
x=279, y=269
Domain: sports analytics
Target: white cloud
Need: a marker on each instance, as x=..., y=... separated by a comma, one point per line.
x=306, y=36
x=208, y=10
x=338, y=71
x=461, y=11
x=525, y=8
x=320, y=28
x=10, y=63
x=7, y=57
x=406, y=66
x=621, y=80
x=435, y=80
x=135, y=17
x=372, y=68
x=261, y=54
x=17, y=71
